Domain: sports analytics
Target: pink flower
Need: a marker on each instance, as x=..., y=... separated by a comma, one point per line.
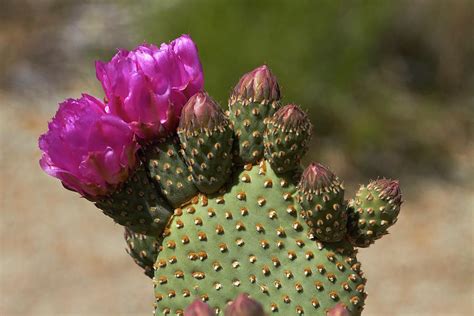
x=148, y=86
x=90, y=151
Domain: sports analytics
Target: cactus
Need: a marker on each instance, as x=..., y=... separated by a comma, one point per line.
x=220, y=205
x=268, y=231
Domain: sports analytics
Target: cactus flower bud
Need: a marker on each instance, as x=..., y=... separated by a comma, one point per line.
x=322, y=197
x=287, y=137
x=148, y=86
x=198, y=308
x=291, y=117
x=244, y=306
x=90, y=151
x=316, y=178
x=254, y=100
x=373, y=210
x=338, y=310
x=389, y=190
x=201, y=113
x=206, y=136
x=258, y=86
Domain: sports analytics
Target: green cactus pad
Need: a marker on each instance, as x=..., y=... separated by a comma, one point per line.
x=252, y=239
x=286, y=139
x=374, y=209
x=321, y=195
x=143, y=249
x=138, y=205
x=169, y=171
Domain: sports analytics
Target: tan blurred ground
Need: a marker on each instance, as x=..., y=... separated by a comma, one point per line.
x=61, y=256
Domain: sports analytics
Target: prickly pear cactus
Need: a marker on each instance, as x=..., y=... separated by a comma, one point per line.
x=215, y=204
x=249, y=221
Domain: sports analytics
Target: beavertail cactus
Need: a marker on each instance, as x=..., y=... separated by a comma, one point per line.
x=215, y=203
x=243, y=305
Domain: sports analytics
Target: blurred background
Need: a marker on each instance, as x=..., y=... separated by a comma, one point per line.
x=389, y=86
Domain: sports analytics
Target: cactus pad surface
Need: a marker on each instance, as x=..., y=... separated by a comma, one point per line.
x=253, y=238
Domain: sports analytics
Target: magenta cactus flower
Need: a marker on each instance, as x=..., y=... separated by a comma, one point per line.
x=90, y=151
x=148, y=86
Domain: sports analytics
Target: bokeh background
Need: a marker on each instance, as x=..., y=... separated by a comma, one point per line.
x=389, y=86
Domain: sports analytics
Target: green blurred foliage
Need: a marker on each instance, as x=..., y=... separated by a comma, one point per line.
x=367, y=72
x=315, y=47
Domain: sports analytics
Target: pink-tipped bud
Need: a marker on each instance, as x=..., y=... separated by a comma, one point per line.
x=198, y=308
x=338, y=310
x=291, y=117
x=201, y=112
x=389, y=190
x=244, y=306
x=317, y=177
x=89, y=150
x=258, y=86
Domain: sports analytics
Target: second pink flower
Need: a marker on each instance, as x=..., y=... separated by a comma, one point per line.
x=148, y=86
